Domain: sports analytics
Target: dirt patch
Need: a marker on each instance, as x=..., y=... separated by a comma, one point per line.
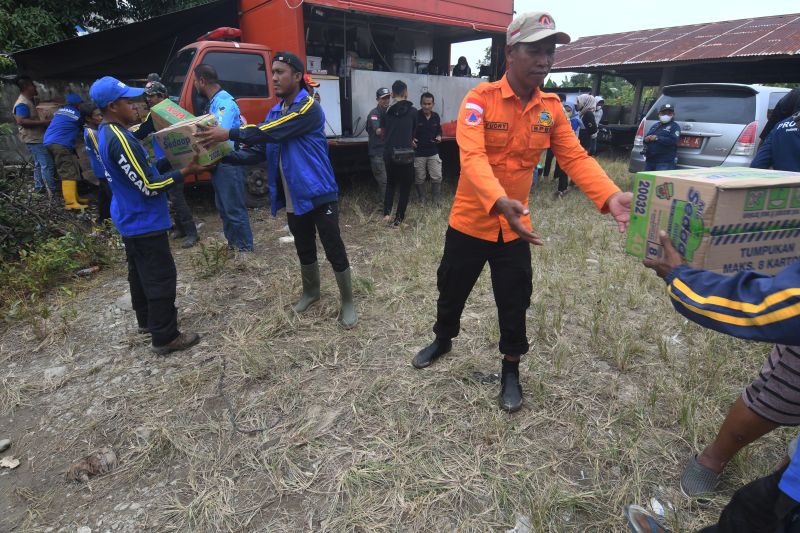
x=336, y=431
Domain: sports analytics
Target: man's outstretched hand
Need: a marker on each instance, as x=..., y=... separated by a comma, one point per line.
x=210, y=135
x=670, y=260
x=619, y=205
x=513, y=210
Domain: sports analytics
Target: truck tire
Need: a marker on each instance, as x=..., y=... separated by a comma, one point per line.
x=256, y=187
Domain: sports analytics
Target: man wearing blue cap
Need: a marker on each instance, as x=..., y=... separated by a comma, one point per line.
x=292, y=140
x=141, y=214
x=59, y=138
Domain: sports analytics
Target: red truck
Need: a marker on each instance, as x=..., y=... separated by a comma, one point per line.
x=352, y=48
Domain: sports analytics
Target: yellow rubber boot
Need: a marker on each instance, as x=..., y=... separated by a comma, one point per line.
x=70, y=191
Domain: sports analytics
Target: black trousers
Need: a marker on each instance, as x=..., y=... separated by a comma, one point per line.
x=152, y=277
x=548, y=162
x=758, y=507
x=183, y=215
x=325, y=220
x=563, y=179
x=401, y=177
x=103, y=201
x=512, y=282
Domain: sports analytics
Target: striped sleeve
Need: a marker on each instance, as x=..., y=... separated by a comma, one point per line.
x=131, y=158
x=748, y=305
x=302, y=117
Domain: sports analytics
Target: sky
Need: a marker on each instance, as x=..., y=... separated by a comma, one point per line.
x=580, y=19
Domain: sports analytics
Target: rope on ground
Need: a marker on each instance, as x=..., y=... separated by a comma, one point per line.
x=227, y=402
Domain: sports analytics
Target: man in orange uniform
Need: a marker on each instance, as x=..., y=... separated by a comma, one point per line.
x=502, y=129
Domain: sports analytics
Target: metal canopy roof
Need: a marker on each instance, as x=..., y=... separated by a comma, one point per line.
x=768, y=41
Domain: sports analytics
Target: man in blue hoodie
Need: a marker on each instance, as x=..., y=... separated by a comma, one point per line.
x=140, y=212
x=59, y=138
x=292, y=140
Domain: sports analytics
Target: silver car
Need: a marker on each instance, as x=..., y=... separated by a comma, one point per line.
x=720, y=123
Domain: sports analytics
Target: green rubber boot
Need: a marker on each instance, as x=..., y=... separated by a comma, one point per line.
x=347, y=313
x=310, y=276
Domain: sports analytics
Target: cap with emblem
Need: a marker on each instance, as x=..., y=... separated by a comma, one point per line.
x=291, y=60
x=382, y=92
x=667, y=107
x=107, y=89
x=155, y=87
x=532, y=27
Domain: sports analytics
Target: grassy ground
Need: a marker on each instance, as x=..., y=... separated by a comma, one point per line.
x=338, y=431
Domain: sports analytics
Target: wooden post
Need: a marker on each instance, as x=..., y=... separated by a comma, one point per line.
x=597, y=78
x=637, y=101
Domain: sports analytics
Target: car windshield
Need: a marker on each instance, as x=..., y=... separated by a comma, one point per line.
x=176, y=72
x=709, y=105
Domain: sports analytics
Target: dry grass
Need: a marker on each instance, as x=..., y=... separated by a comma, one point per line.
x=346, y=436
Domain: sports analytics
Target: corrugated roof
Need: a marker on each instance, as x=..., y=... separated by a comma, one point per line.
x=761, y=36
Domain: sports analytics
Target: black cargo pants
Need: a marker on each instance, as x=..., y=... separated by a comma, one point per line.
x=512, y=282
x=153, y=278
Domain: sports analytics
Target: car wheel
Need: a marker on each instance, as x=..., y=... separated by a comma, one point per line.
x=257, y=187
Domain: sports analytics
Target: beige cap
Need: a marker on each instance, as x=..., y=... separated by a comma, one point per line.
x=532, y=27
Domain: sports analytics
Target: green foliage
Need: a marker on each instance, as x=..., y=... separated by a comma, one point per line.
x=211, y=259
x=30, y=23
x=41, y=246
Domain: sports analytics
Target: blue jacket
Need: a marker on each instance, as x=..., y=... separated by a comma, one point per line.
x=93, y=152
x=225, y=109
x=665, y=148
x=65, y=127
x=781, y=149
x=297, y=139
x=747, y=305
x=138, y=205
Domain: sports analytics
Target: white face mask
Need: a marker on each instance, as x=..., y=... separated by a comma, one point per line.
x=664, y=118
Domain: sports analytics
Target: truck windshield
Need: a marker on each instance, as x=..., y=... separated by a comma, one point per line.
x=177, y=71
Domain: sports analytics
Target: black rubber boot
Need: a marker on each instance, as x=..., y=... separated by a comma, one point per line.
x=510, y=398
x=426, y=356
x=436, y=193
x=420, y=191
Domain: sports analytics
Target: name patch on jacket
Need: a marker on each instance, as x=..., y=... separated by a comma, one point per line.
x=499, y=126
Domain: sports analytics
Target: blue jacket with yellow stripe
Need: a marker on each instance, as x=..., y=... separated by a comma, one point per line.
x=138, y=206
x=748, y=305
x=295, y=139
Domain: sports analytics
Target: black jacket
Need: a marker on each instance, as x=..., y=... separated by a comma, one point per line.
x=399, y=122
x=426, y=131
x=589, y=129
x=785, y=108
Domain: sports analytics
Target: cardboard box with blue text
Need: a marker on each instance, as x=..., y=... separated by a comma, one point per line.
x=723, y=219
x=180, y=146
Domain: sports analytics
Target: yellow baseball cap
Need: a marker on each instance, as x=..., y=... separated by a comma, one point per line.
x=534, y=26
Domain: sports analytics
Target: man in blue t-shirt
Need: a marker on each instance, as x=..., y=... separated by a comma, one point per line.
x=781, y=149
x=228, y=180
x=661, y=142
x=30, y=130
x=59, y=138
x=140, y=213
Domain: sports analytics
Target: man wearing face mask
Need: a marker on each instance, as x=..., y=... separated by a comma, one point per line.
x=661, y=142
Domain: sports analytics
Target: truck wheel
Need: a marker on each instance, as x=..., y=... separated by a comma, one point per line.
x=257, y=187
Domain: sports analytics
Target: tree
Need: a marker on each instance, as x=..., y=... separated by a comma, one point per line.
x=487, y=57
x=29, y=23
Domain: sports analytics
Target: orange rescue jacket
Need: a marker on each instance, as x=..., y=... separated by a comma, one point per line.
x=500, y=145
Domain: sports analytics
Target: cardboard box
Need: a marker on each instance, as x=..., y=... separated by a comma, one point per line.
x=723, y=219
x=179, y=145
x=46, y=110
x=167, y=113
